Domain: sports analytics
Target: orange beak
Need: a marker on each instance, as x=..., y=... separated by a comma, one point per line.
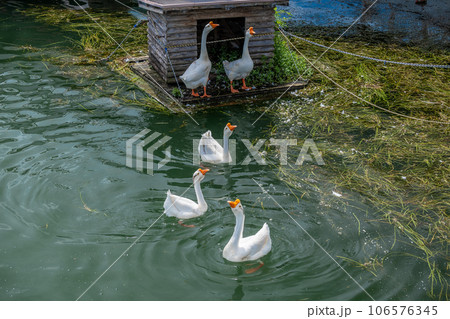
x=231, y=127
x=213, y=25
x=251, y=31
x=234, y=204
x=203, y=171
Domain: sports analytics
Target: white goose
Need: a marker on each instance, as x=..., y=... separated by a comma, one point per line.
x=248, y=248
x=185, y=208
x=211, y=151
x=198, y=72
x=241, y=68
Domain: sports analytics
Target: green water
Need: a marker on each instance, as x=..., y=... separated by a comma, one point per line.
x=69, y=206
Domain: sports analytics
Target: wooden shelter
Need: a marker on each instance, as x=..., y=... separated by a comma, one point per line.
x=175, y=27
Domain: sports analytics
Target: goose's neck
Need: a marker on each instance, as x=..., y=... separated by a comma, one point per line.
x=198, y=192
x=238, y=229
x=204, y=51
x=225, y=147
x=245, y=53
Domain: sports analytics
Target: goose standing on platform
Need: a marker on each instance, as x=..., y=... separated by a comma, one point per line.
x=241, y=68
x=185, y=208
x=210, y=151
x=248, y=248
x=198, y=72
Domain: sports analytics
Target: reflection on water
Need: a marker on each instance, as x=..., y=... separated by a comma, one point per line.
x=70, y=206
x=238, y=293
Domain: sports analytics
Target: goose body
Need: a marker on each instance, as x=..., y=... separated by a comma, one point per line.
x=253, y=247
x=240, y=69
x=197, y=73
x=185, y=208
x=211, y=151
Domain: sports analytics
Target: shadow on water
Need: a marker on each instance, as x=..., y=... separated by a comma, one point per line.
x=238, y=293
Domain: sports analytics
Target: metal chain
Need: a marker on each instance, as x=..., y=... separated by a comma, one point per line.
x=216, y=41
x=353, y=94
x=367, y=57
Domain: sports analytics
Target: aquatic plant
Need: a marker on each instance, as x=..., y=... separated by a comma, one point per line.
x=91, y=44
x=398, y=165
x=94, y=42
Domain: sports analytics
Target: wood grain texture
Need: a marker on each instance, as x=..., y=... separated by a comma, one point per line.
x=173, y=25
x=163, y=6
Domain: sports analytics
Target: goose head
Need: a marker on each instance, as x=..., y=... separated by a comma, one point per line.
x=199, y=175
x=236, y=207
x=228, y=130
x=210, y=26
x=250, y=32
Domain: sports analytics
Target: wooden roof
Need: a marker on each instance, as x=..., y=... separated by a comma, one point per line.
x=178, y=5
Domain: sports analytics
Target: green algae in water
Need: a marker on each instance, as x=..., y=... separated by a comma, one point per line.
x=398, y=165
x=93, y=42
x=90, y=44
x=401, y=166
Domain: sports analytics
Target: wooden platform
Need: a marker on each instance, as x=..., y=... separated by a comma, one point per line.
x=257, y=94
x=141, y=68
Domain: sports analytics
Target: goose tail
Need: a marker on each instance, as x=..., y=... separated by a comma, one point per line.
x=207, y=134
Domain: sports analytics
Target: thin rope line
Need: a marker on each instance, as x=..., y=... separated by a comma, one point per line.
x=354, y=22
x=174, y=74
x=315, y=241
x=129, y=55
x=368, y=57
x=126, y=250
x=129, y=7
x=128, y=34
x=290, y=86
x=358, y=97
x=104, y=30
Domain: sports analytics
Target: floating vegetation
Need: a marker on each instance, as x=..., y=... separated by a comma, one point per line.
x=91, y=44
x=91, y=39
x=400, y=166
x=29, y=48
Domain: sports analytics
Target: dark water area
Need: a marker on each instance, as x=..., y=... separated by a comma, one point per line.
x=401, y=21
x=69, y=205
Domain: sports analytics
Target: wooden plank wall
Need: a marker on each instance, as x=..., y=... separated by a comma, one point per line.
x=180, y=27
x=157, y=42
